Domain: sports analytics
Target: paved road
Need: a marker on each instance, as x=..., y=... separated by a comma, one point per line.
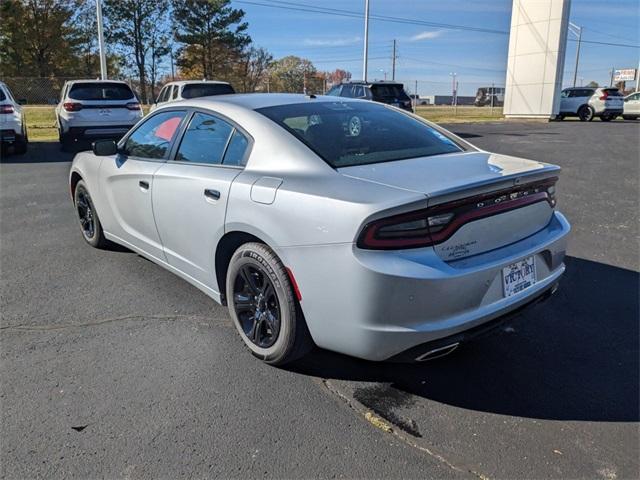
x=111, y=366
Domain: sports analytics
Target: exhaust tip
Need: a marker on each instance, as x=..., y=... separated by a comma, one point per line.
x=437, y=352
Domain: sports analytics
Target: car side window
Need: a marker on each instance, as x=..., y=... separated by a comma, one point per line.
x=358, y=92
x=161, y=94
x=235, y=154
x=154, y=136
x=205, y=140
x=564, y=94
x=174, y=92
x=334, y=91
x=347, y=91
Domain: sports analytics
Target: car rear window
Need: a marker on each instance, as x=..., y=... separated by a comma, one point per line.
x=100, y=91
x=206, y=89
x=345, y=134
x=613, y=92
x=389, y=91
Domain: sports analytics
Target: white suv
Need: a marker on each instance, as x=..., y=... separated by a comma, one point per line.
x=589, y=102
x=96, y=109
x=13, y=129
x=174, y=91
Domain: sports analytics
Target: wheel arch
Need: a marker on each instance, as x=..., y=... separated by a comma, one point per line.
x=73, y=182
x=225, y=249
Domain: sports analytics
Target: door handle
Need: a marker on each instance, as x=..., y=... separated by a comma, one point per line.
x=212, y=194
x=143, y=185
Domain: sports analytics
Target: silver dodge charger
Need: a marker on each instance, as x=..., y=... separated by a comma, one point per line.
x=347, y=224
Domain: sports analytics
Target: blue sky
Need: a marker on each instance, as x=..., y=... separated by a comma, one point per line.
x=431, y=54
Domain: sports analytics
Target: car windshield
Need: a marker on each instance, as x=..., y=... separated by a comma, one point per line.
x=206, y=89
x=100, y=91
x=389, y=91
x=345, y=134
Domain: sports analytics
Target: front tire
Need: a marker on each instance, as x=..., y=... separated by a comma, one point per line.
x=263, y=307
x=20, y=146
x=586, y=113
x=88, y=217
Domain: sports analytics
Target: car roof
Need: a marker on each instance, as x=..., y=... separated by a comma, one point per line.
x=376, y=82
x=254, y=101
x=196, y=82
x=93, y=80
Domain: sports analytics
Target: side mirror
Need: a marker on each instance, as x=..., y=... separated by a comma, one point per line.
x=22, y=101
x=103, y=148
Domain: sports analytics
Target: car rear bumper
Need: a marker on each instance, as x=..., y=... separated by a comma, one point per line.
x=376, y=305
x=101, y=131
x=9, y=135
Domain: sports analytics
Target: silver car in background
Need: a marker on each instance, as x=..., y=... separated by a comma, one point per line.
x=349, y=224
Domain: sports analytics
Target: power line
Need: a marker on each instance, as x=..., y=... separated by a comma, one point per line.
x=593, y=42
x=607, y=34
x=352, y=14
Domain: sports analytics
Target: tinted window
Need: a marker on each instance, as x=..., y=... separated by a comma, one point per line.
x=205, y=140
x=612, y=92
x=153, y=138
x=358, y=133
x=389, y=92
x=358, y=91
x=236, y=149
x=174, y=92
x=195, y=90
x=347, y=91
x=100, y=91
x=335, y=91
x=2, y=95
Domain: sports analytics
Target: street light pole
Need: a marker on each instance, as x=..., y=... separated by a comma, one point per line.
x=575, y=70
x=366, y=40
x=103, y=57
x=393, y=63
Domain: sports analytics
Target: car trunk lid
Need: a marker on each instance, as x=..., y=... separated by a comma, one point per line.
x=486, y=200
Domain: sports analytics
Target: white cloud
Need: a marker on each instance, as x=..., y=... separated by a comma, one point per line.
x=427, y=35
x=331, y=42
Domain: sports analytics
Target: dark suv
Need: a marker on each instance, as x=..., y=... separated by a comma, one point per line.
x=384, y=92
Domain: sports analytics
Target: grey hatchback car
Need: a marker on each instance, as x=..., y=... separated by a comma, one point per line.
x=350, y=224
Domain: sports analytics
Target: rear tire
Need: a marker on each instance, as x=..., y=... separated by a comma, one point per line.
x=586, y=113
x=263, y=307
x=90, y=225
x=20, y=145
x=607, y=118
x=66, y=141
x=630, y=117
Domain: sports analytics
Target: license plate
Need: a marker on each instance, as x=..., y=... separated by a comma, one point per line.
x=519, y=276
x=105, y=112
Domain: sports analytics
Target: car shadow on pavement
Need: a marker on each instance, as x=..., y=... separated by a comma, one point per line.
x=574, y=357
x=42, y=152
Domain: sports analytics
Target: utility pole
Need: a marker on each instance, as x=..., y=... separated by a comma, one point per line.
x=638, y=78
x=393, y=62
x=415, y=99
x=493, y=94
x=575, y=70
x=453, y=88
x=612, y=72
x=173, y=76
x=103, y=57
x=366, y=40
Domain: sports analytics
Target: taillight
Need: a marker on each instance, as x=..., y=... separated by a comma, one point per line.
x=605, y=95
x=133, y=106
x=431, y=226
x=6, y=108
x=72, y=106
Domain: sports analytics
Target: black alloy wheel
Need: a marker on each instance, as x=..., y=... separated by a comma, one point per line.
x=256, y=304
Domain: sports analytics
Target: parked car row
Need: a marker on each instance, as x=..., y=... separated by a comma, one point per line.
x=586, y=103
x=94, y=109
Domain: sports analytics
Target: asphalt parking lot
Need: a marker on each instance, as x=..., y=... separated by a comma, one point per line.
x=113, y=367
